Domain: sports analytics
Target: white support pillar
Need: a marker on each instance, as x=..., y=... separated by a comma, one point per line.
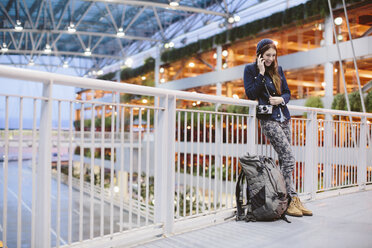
x=219, y=68
x=43, y=173
x=311, y=158
x=157, y=67
x=362, y=155
x=165, y=163
x=328, y=66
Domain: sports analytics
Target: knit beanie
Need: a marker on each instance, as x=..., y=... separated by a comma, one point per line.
x=263, y=43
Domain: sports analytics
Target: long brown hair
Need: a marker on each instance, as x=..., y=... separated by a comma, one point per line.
x=272, y=70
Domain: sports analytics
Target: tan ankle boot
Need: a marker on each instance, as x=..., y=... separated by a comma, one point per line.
x=292, y=209
x=301, y=207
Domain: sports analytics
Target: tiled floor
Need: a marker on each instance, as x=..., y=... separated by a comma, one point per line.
x=342, y=221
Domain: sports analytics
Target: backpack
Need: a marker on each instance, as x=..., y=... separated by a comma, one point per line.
x=266, y=194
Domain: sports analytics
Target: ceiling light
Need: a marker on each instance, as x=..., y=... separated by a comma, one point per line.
x=224, y=65
x=338, y=21
x=65, y=64
x=215, y=55
x=231, y=20
x=47, y=49
x=171, y=44
x=323, y=84
x=143, y=78
x=100, y=72
x=144, y=101
x=174, y=3
x=162, y=80
x=18, y=27
x=161, y=70
x=120, y=33
x=236, y=18
x=4, y=48
x=235, y=96
x=276, y=43
x=192, y=64
x=340, y=37
x=166, y=45
x=31, y=62
x=129, y=62
x=225, y=53
x=87, y=52
x=71, y=28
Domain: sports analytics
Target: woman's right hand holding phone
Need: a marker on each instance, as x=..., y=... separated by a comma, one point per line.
x=261, y=65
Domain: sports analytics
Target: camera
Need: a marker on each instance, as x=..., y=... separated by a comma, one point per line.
x=264, y=109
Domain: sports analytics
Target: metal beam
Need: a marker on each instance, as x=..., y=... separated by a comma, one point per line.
x=13, y=51
x=127, y=37
x=134, y=19
x=163, y=5
x=62, y=14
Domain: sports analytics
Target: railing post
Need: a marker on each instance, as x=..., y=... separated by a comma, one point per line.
x=251, y=131
x=164, y=163
x=43, y=172
x=311, y=165
x=362, y=155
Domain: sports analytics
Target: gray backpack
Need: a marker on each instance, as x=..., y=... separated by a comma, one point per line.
x=266, y=194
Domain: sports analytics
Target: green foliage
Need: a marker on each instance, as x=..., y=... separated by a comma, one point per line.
x=148, y=66
x=314, y=102
x=368, y=102
x=339, y=102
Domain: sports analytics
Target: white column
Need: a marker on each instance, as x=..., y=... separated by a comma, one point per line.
x=219, y=68
x=328, y=66
x=157, y=67
x=43, y=173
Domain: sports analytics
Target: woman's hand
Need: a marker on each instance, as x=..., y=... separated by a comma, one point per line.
x=261, y=65
x=276, y=100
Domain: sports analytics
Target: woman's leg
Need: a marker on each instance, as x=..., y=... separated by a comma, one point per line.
x=279, y=135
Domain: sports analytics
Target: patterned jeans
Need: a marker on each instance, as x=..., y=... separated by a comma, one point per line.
x=279, y=135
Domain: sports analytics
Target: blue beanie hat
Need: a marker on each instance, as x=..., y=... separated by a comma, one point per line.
x=263, y=43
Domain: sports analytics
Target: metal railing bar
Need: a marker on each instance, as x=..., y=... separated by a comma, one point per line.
x=70, y=152
x=112, y=168
x=131, y=169
x=5, y=173
x=139, y=176
x=92, y=183
x=147, y=166
x=33, y=165
x=211, y=112
x=19, y=196
x=121, y=180
x=178, y=164
x=103, y=115
x=81, y=175
x=58, y=214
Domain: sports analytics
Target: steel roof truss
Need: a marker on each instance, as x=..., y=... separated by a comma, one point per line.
x=62, y=14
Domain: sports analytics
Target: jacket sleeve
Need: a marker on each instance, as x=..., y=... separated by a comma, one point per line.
x=253, y=84
x=286, y=93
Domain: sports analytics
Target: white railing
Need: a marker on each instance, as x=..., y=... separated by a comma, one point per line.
x=156, y=169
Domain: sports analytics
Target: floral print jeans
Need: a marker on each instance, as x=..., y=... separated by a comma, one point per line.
x=279, y=135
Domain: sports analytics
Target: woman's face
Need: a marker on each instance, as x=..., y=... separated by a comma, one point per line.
x=269, y=56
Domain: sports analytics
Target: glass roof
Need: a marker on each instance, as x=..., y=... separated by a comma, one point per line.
x=95, y=33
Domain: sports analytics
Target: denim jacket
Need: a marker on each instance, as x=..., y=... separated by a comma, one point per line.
x=254, y=84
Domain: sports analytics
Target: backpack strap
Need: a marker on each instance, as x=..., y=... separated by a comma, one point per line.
x=240, y=215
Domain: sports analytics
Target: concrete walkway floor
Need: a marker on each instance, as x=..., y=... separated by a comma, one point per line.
x=341, y=221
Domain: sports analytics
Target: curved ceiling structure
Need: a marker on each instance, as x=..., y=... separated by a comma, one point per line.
x=91, y=34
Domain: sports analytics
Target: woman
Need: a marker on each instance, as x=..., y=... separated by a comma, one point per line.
x=264, y=80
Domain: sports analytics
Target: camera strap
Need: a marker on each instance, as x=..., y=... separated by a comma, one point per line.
x=267, y=89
